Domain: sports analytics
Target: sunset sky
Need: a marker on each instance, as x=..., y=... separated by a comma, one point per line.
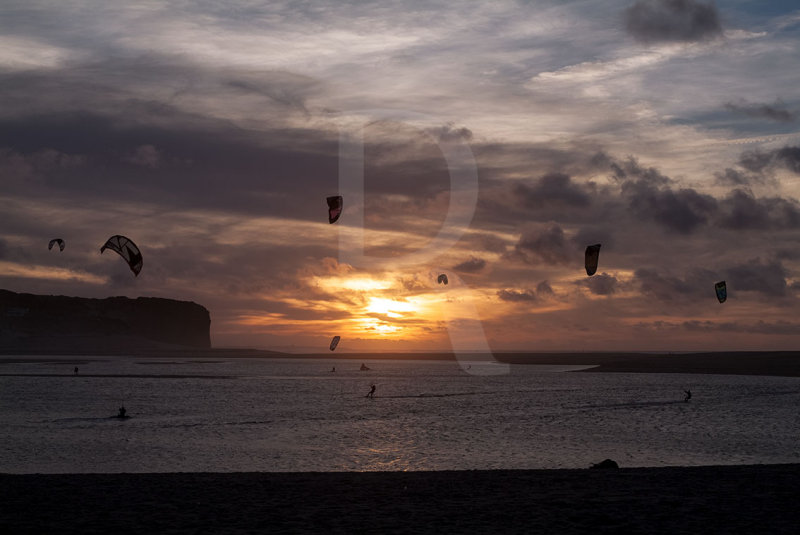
x=210, y=133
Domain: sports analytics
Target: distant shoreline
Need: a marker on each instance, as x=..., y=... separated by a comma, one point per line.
x=706, y=499
x=775, y=363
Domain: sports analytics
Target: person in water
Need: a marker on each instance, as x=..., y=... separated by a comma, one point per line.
x=122, y=412
x=688, y=395
x=333, y=369
x=76, y=370
x=371, y=392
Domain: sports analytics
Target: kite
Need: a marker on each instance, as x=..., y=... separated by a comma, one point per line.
x=334, y=208
x=722, y=291
x=58, y=241
x=335, y=342
x=127, y=250
x=442, y=279
x=592, y=256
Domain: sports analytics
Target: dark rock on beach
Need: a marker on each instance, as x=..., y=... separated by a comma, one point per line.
x=605, y=465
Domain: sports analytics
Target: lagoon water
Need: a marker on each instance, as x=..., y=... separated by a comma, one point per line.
x=230, y=415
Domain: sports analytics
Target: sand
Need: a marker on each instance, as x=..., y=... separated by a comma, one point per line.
x=729, y=499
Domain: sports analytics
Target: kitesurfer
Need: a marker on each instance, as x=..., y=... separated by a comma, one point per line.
x=333, y=369
x=122, y=412
x=76, y=370
x=688, y=395
x=371, y=392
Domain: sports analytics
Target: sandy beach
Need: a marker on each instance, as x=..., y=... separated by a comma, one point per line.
x=717, y=499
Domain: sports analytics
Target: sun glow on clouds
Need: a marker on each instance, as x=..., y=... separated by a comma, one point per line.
x=354, y=306
x=12, y=269
x=359, y=284
x=389, y=307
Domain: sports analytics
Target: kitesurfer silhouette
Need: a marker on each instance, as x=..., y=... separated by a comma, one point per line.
x=688, y=395
x=371, y=392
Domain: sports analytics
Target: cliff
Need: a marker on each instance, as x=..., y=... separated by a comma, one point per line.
x=115, y=325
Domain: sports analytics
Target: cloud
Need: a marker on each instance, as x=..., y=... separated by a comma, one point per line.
x=789, y=157
x=681, y=211
x=449, y=132
x=517, y=296
x=652, y=21
x=734, y=177
x=698, y=285
x=757, y=161
x=773, y=112
x=741, y=210
x=592, y=234
x=630, y=170
x=473, y=265
x=601, y=284
x=546, y=245
x=768, y=278
x=554, y=188
x=144, y=156
x=542, y=291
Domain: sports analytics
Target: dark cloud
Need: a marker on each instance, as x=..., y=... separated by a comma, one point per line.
x=517, y=296
x=768, y=278
x=789, y=157
x=755, y=161
x=143, y=155
x=15, y=253
x=543, y=290
x=788, y=254
x=473, y=265
x=760, y=162
x=289, y=89
x=601, y=284
x=698, y=285
x=650, y=197
x=680, y=211
x=216, y=165
x=489, y=242
x=546, y=245
x=589, y=235
x=741, y=210
x=652, y=21
x=449, y=132
x=734, y=177
x=631, y=171
x=773, y=112
x=554, y=188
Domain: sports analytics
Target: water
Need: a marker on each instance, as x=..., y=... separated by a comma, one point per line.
x=296, y=415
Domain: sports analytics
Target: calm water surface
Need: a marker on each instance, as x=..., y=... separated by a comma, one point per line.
x=296, y=415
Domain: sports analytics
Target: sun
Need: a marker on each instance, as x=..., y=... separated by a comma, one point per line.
x=389, y=307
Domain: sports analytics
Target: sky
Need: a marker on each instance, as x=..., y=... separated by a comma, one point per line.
x=490, y=141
